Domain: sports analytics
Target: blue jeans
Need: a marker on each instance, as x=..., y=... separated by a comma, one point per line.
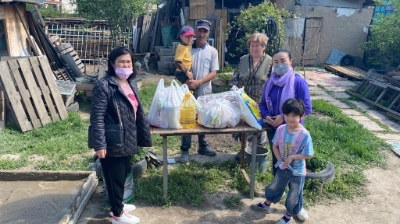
x=187, y=142
x=294, y=200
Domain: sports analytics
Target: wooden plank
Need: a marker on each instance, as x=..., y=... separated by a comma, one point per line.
x=2, y=108
x=15, y=34
x=14, y=98
x=201, y=9
x=2, y=104
x=24, y=25
x=49, y=77
x=350, y=71
x=34, y=90
x=223, y=15
x=44, y=88
x=25, y=94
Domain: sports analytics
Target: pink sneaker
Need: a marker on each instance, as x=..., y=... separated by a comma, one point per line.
x=125, y=219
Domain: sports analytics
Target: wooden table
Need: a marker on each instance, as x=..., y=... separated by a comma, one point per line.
x=242, y=128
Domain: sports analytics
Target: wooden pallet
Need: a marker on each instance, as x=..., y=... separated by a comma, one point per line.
x=350, y=71
x=62, y=74
x=68, y=49
x=32, y=92
x=384, y=96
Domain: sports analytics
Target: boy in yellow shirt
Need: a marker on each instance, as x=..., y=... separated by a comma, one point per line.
x=183, y=56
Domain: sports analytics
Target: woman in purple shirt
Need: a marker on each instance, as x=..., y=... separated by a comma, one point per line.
x=283, y=84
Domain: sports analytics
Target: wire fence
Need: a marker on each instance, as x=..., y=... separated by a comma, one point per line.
x=92, y=42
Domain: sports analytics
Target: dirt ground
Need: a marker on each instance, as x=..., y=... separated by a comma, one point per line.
x=380, y=205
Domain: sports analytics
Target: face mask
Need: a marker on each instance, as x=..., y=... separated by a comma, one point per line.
x=123, y=73
x=280, y=69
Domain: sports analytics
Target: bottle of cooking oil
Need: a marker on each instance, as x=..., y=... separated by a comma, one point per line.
x=188, y=112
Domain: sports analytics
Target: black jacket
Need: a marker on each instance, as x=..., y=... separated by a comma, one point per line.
x=103, y=111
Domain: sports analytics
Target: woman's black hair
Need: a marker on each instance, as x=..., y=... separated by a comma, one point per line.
x=115, y=53
x=294, y=105
x=282, y=50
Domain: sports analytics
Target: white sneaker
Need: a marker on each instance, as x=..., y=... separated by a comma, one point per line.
x=302, y=215
x=127, y=208
x=125, y=219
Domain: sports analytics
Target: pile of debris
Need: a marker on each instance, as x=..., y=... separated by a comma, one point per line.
x=393, y=77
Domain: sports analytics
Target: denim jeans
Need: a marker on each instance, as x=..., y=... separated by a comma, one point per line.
x=275, y=190
x=187, y=142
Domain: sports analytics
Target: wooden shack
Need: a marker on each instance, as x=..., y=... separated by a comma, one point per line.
x=14, y=31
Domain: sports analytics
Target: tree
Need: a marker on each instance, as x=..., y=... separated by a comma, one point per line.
x=263, y=18
x=384, y=42
x=119, y=14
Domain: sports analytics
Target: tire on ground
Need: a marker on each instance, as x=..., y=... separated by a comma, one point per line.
x=326, y=176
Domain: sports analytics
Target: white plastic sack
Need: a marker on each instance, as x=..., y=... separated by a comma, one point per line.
x=165, y=107
x=219, y=114
x=230, y=96
x=249, y=109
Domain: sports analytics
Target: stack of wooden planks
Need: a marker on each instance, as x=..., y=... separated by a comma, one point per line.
x=32, y=92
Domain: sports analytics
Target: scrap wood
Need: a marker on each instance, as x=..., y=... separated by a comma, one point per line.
x=350, y=71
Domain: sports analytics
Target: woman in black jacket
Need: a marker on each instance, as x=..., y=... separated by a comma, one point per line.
x=115, y=100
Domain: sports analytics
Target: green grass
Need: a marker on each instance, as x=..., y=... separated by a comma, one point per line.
x=62, y=145
x=233, y=202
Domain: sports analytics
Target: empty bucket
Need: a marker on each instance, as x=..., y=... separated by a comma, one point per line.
x=261, y=157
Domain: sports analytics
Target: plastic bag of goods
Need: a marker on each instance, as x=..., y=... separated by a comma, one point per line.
x=230, y=96
x=249, y=109
x=165, y=107
x=219, y=114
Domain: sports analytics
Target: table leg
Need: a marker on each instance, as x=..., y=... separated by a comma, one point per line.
x=165, y=167
x=243, y=140
x=253, y=165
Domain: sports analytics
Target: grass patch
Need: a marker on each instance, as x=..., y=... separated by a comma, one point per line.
x=187, y=184
x=57, y=141
x=233, y=202
x=348, y=145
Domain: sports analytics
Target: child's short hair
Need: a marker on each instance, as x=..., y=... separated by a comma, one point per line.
x=294, y=105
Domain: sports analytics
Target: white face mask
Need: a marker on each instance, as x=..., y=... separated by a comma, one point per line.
x=280, y=69
x=123, y=73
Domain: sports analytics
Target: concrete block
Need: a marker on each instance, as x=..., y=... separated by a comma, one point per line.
x=166, y=67
x=341, y=95
x=166, y=52
x=157, y=48
x=162, y=64
x=174, y=45
x=73, y=107
x=167, y=58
